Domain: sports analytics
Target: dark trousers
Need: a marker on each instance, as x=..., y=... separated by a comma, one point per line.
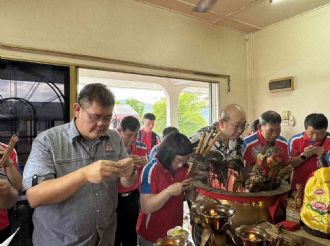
x=127, y=214
x=4, y=234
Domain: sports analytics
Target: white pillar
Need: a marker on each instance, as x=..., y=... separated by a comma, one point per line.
x=172, y=93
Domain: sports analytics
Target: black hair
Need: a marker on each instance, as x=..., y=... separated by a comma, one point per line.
x=254, y=125
x=130, y=123
x=149, y=116
x=98, y=93
x=270, y=117
x=317, y=121
x=174, y=144
x=168, y=130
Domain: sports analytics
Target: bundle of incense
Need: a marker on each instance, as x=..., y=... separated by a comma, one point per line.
x=206, y=144
x=11, y=144
x=191, y=166
x=209, y=147
x=201, y=143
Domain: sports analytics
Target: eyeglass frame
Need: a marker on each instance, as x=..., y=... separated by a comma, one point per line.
x=98, y=119
x=239, y=126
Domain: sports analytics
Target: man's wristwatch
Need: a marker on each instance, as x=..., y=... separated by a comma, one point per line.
x=303, y=156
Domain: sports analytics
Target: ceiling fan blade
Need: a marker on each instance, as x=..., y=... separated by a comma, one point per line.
x=203, y=5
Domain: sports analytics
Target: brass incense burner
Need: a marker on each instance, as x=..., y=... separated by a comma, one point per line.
x=213, y=219
x=216, y=216
x=171, y=241
x=251, y=236
x=245, y=203
x=175, y=237
x=199, y=205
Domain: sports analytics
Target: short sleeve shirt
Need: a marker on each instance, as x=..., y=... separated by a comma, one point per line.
x=297, y=144
x=88, y=217
x=254, y=142
x=4, y=221
x=153, y=180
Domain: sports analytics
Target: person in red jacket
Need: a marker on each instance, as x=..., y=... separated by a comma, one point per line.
x=146, y=134
x=129, y=197
x=307, y=147
x=162, y=184
x=268, y=135
x=10, y=184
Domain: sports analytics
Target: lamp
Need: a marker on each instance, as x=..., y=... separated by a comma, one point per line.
x=203, y=5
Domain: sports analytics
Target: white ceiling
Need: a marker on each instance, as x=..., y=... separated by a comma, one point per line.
x=242, y=15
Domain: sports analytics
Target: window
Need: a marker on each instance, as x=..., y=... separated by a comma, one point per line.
x=33, y=98
x=188, y=105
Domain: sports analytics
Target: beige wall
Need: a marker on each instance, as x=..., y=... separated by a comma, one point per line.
x=130, y=31
x=299, y=47
x=125, y=30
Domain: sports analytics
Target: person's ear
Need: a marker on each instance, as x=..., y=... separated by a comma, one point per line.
x=221, y=124
x=76, y=109
x=258, y=126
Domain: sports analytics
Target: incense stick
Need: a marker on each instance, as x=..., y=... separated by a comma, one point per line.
x=11, y=144
x=201, y=143
x=209, y=147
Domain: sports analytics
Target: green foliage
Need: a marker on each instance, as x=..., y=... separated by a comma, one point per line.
x=189, y=114
x=159, y=110
x=190, y=117
x=136, y=105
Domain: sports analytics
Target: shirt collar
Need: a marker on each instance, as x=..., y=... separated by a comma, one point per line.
x=305, y=136
x=261, y=139
x=73, y=131
x=146, y=133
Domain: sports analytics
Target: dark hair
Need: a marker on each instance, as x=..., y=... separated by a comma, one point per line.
x=174, y=144
x=149, y=116
x=317, y=121
x=168, y=130
x=270, y=117
x=98, y=93
x=130, y=123
x=254, y=125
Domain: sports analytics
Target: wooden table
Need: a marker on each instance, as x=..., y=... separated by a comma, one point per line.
x=310, y=240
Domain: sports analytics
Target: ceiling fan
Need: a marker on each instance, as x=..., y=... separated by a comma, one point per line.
x=203, y=5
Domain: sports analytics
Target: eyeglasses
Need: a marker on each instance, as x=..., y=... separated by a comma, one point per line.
x=243, y=127
x=97, y=118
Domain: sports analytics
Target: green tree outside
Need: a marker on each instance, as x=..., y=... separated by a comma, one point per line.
x=189, y=110
x=190, y=117
x=136, y=105
x=159, y=110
